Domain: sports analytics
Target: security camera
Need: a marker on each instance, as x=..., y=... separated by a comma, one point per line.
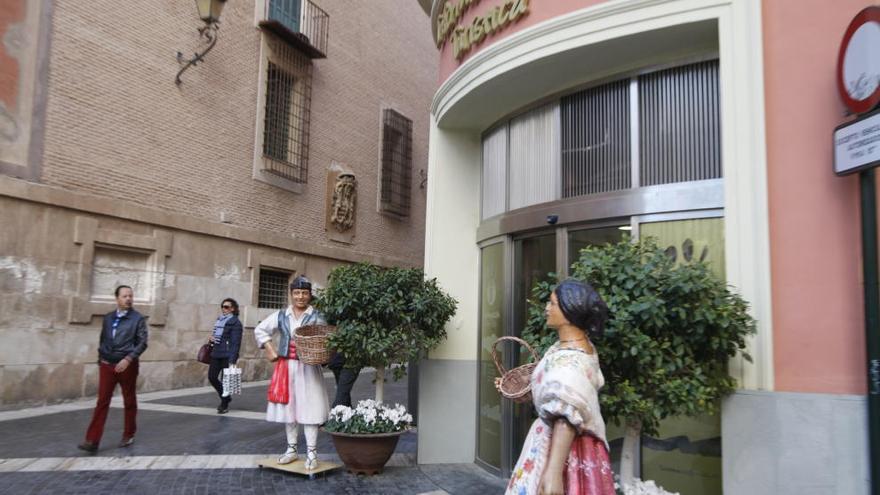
x=552, y=219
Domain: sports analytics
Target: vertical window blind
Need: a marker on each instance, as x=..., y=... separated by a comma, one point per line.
x=534, y=157
x=662, y=127
x=596, y=154
x=680, y=132
x=494, y=180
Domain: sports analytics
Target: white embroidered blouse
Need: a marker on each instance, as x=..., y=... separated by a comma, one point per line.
x=566, y=384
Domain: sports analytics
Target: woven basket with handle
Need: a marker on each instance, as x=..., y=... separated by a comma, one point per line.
x=311, y=344
x=516, y=384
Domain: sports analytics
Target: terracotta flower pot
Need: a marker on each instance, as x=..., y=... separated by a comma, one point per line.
x=365, y=453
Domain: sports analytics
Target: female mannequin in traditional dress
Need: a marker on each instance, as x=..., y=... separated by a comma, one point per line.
x=306, y=400
x=566, y=451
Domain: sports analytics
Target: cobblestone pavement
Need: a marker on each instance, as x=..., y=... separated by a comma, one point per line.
x=434, y=479
x=184, y=447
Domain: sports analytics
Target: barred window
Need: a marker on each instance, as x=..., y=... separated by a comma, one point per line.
x=396, y=167
x=273, y=289
x=286, y=122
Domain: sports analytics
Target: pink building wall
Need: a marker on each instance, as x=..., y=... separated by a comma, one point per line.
x=815, y=243
x=539, y=10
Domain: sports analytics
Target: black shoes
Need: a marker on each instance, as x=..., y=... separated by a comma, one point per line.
x=91, y=448
x=223, y=408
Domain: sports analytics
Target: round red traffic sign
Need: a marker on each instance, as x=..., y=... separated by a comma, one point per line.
x=858, y=62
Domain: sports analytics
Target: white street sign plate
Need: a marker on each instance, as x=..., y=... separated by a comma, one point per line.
x=857, y=145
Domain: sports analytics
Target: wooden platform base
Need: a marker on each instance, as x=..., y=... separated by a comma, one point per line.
x=299, y=466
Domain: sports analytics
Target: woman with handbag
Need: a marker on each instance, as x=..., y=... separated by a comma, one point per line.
x=225, y=342
x=566, y=451
x=296, y=391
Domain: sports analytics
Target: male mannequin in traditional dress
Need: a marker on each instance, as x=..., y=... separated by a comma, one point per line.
x=306, y=399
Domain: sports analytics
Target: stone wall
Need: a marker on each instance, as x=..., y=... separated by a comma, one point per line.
x=137, y=180
x=49, y=350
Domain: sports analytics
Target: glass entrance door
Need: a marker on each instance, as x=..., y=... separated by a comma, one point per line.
x=492, y=320
x=577, y=240
x=581, y=238
x=534, y=259
x=686, y=455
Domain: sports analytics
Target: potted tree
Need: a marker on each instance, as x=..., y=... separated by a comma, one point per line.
x=671, y=332
x=383, y=317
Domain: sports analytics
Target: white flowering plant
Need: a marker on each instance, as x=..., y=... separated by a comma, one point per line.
x=639, y=487
x=368, y=416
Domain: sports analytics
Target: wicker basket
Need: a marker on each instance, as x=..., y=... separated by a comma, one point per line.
x=516, y=384
x=311, y=344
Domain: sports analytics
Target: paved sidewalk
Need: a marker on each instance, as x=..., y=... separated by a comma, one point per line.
x=183, y=446
x=424, y=480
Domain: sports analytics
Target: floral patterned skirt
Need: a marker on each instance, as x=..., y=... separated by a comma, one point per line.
x=587, y=472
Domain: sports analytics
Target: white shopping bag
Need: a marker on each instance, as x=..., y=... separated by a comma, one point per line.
x=231, y=379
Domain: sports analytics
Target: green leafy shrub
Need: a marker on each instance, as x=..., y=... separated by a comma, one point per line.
x=671, y=331
x=384, y=316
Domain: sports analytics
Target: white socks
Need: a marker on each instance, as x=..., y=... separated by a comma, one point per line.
x=312, y=446
x=292, y=430
x=311, y=435
x=290, y=455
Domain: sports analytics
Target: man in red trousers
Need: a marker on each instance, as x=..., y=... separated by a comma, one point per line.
x=123, y=340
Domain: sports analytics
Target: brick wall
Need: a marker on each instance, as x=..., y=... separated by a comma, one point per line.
x=118, y=127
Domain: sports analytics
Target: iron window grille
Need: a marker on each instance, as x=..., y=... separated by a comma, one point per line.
x=396, y=163
x=273, y=289
x=287, y=107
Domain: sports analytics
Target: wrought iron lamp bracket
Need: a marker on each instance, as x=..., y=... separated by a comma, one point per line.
x=208, y=34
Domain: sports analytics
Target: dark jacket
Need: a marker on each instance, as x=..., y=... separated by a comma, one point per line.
x=229, y=342
x=337, y=362
x=131, y=337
